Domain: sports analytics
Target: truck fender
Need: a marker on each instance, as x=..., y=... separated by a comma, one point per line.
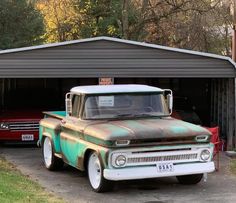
x=53, y=146
x=86, y=157
x=45, y=134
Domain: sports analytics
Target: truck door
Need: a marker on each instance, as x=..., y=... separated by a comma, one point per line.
x=71, y=133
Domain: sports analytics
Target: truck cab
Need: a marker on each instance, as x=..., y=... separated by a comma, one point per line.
x=124, y=132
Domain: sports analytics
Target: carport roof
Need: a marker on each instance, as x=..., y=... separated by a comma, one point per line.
x=144, y=44
x=83, y=62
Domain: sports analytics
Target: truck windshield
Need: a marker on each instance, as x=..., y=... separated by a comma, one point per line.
x=125, y=105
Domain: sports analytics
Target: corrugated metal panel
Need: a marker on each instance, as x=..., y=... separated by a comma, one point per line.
x=111, y=59
x=120, y=42
x=133, y=53
x=97, y=49
x=85, y=72
x=116, y=63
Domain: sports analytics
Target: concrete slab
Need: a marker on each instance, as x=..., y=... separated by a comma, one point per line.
x=73, y=185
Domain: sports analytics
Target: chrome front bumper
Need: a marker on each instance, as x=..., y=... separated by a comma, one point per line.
x=142, y=172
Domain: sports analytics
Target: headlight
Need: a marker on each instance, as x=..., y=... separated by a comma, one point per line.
x=205, y=155
x=120, y=160
x=3, y=125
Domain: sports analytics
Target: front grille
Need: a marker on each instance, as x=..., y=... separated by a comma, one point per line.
x=23, y=126
x=143, y=157
x=163, y=141
x=184, y=157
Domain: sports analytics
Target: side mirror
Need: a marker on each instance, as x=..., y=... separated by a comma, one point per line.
x=68, y=104
x=170, y=102
x=169, y=97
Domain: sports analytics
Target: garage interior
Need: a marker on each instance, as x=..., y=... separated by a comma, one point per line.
x=206, y=80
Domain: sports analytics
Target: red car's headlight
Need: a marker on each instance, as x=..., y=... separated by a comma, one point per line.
x=4, y=126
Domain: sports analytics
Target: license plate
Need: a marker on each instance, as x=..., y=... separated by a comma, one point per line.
x=27, y=137
x=167, y=167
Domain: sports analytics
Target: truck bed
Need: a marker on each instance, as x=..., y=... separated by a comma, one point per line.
x=56, y=114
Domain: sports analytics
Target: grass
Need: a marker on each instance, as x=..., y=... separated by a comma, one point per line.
x=233, y=166
x=18, y=188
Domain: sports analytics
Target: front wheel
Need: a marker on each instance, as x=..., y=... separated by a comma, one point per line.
x=190, y=179
x=51, y=162
x=95, y=175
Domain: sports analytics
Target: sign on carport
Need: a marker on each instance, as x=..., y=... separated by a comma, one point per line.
x=106, y=81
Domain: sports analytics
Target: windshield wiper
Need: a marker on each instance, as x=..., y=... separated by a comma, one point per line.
x=124, y=115
x=146, y=114
x=136, y=115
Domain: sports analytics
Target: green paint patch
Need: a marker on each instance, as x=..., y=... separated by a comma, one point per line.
x=70, y=151
x=115, y=130
x=15, y=187
x=59, y=113
x=76, y=134
x=135, y=124
x=178, y=129
x=194, y=128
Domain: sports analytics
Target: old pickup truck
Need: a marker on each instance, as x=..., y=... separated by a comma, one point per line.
x=124, y=132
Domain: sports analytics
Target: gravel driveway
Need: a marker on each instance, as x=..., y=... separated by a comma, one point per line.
x=73, y=185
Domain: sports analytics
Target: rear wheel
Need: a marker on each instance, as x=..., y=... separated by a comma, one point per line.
x=95, y=175
x=190, y=179
x=51, y=162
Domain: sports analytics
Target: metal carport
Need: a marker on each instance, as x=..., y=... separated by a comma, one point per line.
x=117, y=58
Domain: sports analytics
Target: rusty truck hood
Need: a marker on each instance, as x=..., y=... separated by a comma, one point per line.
x=145, y=128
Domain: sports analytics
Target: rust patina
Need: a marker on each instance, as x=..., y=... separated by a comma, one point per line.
x=146, y=128
x=74, y=138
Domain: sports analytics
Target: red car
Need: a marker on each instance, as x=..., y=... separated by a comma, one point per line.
x=22, y=112
x=19, y=125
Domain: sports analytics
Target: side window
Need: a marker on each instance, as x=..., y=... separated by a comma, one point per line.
x=76, y=99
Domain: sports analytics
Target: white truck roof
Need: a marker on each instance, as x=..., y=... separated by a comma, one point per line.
x=103, y=89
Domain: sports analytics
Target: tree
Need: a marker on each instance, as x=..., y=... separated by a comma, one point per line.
x=106, y=17
x=20, y=24
x=201, y=25
x=61, y=20
x=99, y=17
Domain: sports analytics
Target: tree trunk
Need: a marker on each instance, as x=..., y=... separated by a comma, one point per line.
x=125, y=23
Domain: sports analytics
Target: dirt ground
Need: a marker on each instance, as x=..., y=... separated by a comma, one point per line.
x=73, y=185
